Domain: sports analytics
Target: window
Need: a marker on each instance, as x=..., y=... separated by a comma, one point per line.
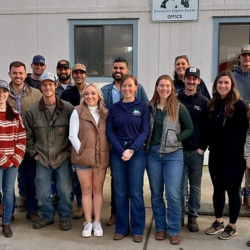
x=229, y=34
x=232, y=37
x=96, y=43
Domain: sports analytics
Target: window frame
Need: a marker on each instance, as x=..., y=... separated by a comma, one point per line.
x=103, y=22
x=216, y=37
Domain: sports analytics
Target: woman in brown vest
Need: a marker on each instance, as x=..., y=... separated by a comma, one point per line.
x=90, y=154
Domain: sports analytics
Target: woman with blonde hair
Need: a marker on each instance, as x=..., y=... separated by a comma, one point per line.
x=170, y=124
x=90, y=154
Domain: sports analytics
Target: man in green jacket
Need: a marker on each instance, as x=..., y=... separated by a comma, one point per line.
x=47, y=127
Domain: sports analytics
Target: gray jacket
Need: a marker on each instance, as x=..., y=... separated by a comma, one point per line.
x=247, y=145
x=170, y=130
x=243, y=82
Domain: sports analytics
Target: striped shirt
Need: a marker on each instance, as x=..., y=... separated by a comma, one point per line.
x=12, y=141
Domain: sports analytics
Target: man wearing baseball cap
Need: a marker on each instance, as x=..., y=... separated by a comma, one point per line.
x=47, y=127
x=38, y=66
x=196, y=104
x=73, y=95
x=242, y=73
x=242, y=76
x=63, y=71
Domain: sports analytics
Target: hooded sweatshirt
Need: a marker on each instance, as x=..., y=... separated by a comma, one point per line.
x=196, y=105
x=180, y=85
x=243, y=82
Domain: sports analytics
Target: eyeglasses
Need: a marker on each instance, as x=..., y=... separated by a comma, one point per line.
x=181, y=56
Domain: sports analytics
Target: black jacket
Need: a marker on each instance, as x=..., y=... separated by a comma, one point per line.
x=71, y=95
x=225, y=137
x=197, y=107
x=180, y=85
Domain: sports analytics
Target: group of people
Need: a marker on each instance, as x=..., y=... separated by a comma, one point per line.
x=69, y=133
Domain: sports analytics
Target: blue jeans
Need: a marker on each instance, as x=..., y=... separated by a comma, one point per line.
x=7, y=182
x=165, y=169
x=64, y=190
x=29, y=173
x=128, y=185
x=193, y=163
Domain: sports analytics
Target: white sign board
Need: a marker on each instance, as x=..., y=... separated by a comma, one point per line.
x=175, y=10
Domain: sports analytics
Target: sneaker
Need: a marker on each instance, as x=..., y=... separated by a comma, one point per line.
x=87, y=229
x=228, y=233
x=21, y=202
x=216, y=227
x=192, y=224
x=97, y=228
x=65, y=225
x=42, y=223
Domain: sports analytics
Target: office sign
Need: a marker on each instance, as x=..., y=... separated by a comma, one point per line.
x=174, y=10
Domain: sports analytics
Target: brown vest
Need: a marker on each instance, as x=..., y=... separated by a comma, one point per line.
x=94, y=150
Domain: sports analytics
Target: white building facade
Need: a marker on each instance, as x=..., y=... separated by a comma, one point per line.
x=94, y=32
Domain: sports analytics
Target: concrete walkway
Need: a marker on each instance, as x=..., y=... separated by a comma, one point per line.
x=50, y=237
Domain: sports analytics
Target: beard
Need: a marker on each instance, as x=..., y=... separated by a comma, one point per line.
x=117, y=78
x=64, y=78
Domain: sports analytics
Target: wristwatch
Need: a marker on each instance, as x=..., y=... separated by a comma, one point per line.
x=131, y=151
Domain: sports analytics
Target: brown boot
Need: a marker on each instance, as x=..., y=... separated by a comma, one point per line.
x=7, y=232
x=33, y=217
x=111, y=220
x=78, y=213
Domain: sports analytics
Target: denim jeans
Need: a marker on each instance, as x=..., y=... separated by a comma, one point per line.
x=165, y=169
x=193, y=163
x=64, y=190
x=29, y=174
x=77, y=189
x=7, y=182
x=128, y=185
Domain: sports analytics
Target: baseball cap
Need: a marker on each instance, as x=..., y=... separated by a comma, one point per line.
x=38, y=59
x=79, y=66
x=4, y=85
x=192, y=71
x=47, y=76
x=63, y=63
x=245, y=49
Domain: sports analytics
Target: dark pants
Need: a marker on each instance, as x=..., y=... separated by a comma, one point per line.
x=193, y=164
x=29, y=172
x=226, y=177
x=112, y=202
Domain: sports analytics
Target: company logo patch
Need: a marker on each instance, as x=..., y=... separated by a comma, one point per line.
x=193, y=70
x=197, y=107
x=136, y=112
x=61, y=129
x=63, y=62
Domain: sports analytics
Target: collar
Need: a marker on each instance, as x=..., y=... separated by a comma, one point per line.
x=59, y=104
x=13, y=92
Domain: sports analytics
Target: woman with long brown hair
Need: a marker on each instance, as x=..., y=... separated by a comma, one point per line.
x=90, y=154
x=170, y=124
x=12, y=149
x=225, y=136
